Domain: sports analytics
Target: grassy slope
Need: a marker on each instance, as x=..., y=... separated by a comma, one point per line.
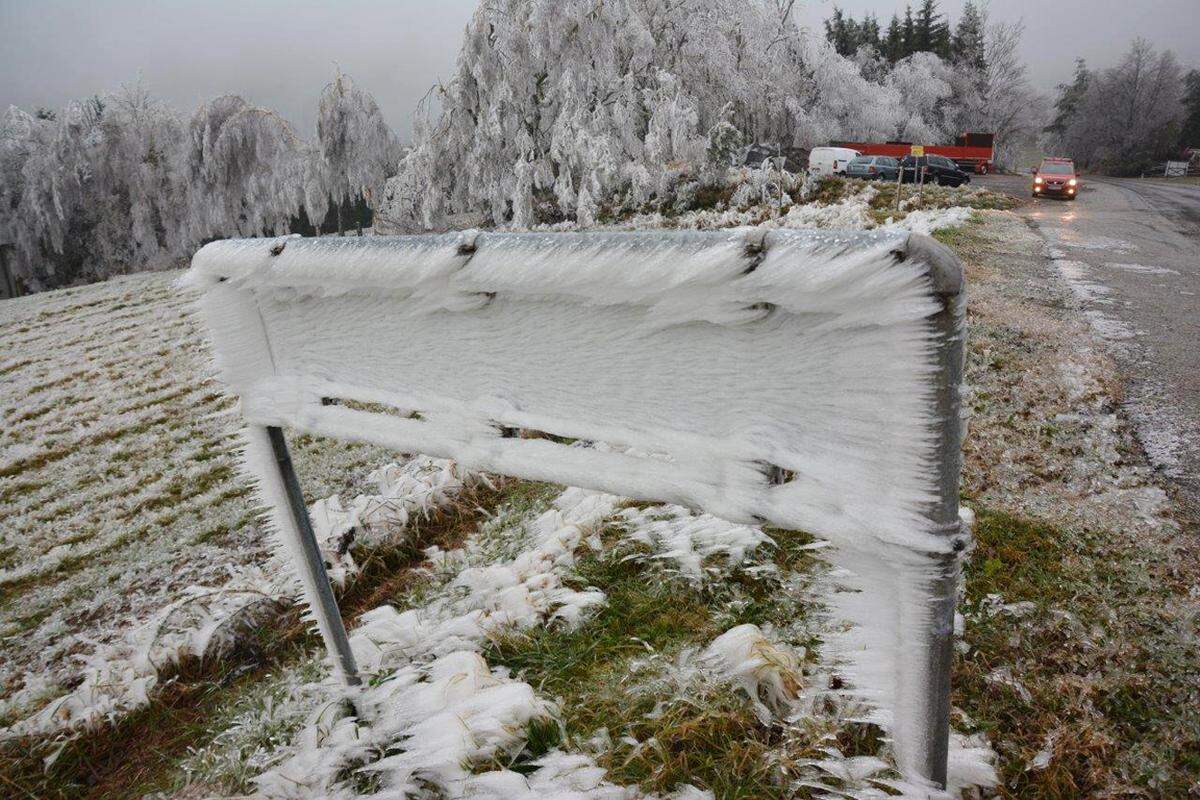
x=1102, y=667
x=118, y=479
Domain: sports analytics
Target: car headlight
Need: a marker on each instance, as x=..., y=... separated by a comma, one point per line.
x=1037, y=179
x=1072, y=182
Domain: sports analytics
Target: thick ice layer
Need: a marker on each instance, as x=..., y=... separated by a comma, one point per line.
x=787, y=377
x=803, y=355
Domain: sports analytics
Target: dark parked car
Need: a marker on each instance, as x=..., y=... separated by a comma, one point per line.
x=937, y=169
x=873, y=168
x=796, y=157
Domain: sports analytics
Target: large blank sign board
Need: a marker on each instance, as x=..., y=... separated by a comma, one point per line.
x=805, y=379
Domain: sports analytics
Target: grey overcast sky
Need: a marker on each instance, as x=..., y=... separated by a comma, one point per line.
x=279, y=53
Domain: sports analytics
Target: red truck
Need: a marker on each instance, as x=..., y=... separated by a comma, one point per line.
x=973, y=152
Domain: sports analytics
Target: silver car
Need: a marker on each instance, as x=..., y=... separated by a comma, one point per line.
x=873, y=168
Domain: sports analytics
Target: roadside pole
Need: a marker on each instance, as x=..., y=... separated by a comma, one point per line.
x=918, y=152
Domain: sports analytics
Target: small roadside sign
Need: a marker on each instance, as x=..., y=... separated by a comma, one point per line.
x=1176, y=169
x=918, y=150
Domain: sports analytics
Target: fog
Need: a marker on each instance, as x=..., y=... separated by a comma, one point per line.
x=280, y=54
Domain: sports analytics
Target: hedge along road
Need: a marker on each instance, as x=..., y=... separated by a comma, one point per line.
x=1130, y=250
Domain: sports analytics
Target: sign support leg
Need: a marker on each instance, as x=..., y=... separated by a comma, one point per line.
x=313, y=575
x=935, y=601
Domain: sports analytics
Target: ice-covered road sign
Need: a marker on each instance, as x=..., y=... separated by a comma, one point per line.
x=807, y=379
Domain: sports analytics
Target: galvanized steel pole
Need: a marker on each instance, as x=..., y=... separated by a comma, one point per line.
x=946, y=275
x=324, y=604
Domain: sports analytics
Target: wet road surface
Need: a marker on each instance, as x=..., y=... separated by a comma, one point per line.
x=1130, y=250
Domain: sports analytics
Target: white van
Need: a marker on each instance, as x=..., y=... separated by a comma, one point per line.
x=824, y=161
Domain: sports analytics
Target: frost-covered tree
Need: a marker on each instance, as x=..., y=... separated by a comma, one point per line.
x=356, y=151
x=1066, y=106
x=998, y=98
x=245, y=168
x=1189, y=135
x=20, y=134
x=1125, y=118
x=99, y=192
x=582, y=104
x=724, y=140
x=924, y=83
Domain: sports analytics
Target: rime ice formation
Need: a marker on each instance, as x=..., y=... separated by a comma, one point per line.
x=628, y=104
x=355, y=149
x=205, y=621
x=676, y=534
x=762, y=376
x=768, y=674
x=812, y=354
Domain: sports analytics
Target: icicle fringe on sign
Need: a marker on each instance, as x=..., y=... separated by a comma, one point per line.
x=804, y=379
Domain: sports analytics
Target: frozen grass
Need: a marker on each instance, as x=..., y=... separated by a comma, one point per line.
x=831, y=202
x=1077, y=660
x=239, y=701
x=118, y=484
x=1079, y=653
x=630, y=679
x=1080, y=658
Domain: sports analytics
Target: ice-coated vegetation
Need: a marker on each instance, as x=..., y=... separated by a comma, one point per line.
x=1126, y=119
x=122, y=183
x=356, y=149
x=127, y=539
x=644, y=700
x=556, y=111
x=562, y=109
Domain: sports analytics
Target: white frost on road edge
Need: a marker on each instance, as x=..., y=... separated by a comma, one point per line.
x=1160, y=429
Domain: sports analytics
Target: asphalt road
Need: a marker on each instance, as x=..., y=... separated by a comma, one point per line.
x=1130, y=249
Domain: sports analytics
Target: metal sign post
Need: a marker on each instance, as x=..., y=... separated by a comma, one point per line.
x=918, y=152
x=313, y=573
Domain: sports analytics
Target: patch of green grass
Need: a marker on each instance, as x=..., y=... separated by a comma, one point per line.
x=957, y=236
x=1106, y=679
x=831, y=190
x=710, y=738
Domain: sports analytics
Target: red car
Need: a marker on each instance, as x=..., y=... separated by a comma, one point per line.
x=1056, y=176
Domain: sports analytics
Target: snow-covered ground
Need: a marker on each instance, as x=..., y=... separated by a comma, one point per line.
x=127, y=427
x=118, y=480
